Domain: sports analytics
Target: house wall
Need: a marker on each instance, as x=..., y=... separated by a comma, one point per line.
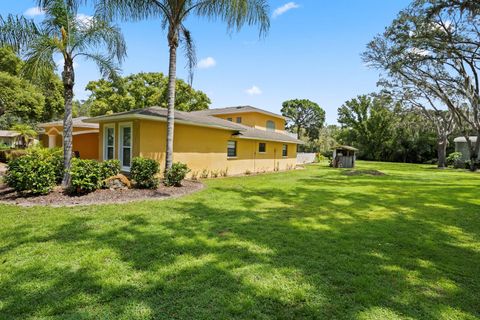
x=256, y=120
x=204, y=148
x=86, y=144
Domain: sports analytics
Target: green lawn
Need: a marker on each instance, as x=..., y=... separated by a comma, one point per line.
x=312, y=243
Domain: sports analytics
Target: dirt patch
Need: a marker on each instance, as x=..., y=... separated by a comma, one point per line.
x=363, y=173
x=58, y=198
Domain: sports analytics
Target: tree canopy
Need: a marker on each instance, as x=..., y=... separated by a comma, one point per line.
x=304, y=117
x=141, y=90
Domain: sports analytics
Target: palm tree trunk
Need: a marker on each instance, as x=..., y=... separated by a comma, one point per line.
x=68, y=77
x=172, y=70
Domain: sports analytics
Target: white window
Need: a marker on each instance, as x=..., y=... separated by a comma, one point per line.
x=232, y=149
x=270, y=125
x=109, y=142
x=125, y=146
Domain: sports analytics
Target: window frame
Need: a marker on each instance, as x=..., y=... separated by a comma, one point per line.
x=285, y=150
x=230, y=119
x=121, y=147
x=274, y=128
x=235, y=149
x=238, y=120
x=105, y=140
x=264, y=149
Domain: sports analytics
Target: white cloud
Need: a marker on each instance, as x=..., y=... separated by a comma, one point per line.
x=206, y=63
x=34, y=12
x=84, y=19
x=254, y=91
x=286, y=7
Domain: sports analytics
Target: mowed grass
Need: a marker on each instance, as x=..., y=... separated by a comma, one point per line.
x=308, y=244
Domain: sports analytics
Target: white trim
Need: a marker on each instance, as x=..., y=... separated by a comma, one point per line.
x=120, y=144
x=84, y=132
x=104, y=139
x=54, y=129
x=154, y=118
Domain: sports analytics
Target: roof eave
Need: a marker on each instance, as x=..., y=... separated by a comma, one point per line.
x=102, y=119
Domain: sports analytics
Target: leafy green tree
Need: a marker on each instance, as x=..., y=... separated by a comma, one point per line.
x=369, y=123
x=173, y=15
x=50, y=85
x=304, y=115
x=141, y=90
x=435, y=46
x=63, y=33
x=20, y=101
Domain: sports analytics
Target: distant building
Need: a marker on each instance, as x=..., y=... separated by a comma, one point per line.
x=462, y=147
x=10, y=138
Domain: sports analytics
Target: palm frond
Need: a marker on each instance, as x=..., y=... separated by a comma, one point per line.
x=39, y=61
x=235, y=13
x=105, y=63
x=100, y=33
x=189, y=50
x=128, y=10
x=17, y=31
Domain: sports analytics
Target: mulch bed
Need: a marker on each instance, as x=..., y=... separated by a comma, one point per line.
x=58, y=198
x=363, y=172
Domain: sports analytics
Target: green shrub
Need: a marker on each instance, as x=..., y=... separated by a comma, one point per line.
x=109, y=168
x=30, y=174
x=11, y=154
x=85, y=175
x=175, y=175
x=453, y=158
x=144, y=173
x=52, y=155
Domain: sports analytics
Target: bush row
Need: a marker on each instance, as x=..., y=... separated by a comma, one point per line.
x=40, y=169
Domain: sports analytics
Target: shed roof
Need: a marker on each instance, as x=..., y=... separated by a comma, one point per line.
x=9, y=134
x=462, y=139
x=350, y=148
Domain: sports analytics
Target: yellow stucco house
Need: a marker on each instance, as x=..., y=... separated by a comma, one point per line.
x=236, y=139
x=85, y=137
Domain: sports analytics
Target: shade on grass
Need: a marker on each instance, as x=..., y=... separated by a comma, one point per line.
x=312, y=243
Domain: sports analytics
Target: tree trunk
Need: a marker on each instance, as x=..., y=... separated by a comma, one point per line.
x=442, y=152
x=68, y=77
x=171, y=104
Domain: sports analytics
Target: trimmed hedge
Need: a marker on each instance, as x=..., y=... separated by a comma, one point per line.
x=85, y=176
x=175, y=175
x=144, y=173
x=109, y=168
x=31, y=174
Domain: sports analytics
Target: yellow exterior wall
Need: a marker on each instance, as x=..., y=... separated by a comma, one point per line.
x=86, y=144
x=204, y=148
x=255, y=119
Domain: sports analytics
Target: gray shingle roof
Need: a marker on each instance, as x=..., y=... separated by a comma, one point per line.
x=77, y=122
x=8, y=134
x=238, y=109
x=201, y=119
x=473, y=139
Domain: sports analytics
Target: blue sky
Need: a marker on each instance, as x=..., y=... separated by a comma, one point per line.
x=312, y=51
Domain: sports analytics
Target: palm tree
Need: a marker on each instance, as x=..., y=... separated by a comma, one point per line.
x=173, y=14
x=27, y=133
x=63, y=34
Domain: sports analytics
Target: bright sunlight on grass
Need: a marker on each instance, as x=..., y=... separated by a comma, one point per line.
x=313, y=243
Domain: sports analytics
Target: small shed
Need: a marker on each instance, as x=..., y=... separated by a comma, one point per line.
x=462, y=147
x=344, y=157
x=10, y=138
